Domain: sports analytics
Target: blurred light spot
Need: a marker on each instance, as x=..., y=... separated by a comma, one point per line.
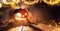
x=56, y=29
x=18, y=16
x=56, y=24
x=16, y=29
x=12, y=3
x=0, y=5
x=49, y=25
x=24, y=6
x=30, y=2
x=52, y=2
x=59, y=23
x=21, y=28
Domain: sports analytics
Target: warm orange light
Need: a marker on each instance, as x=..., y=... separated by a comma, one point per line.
x=16, y=29
x=30, y=2
x=52, y=2
x=19, y=17
x=11, y=1
x=23, y=28
x=56, y=28
x=24, y=12
x=0, y=5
